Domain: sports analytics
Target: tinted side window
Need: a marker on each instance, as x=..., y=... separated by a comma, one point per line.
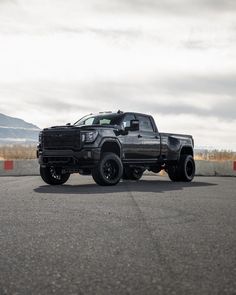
x=127, y=119
x=144, y=123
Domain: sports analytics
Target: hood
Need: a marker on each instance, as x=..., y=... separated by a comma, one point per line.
x=82, y=127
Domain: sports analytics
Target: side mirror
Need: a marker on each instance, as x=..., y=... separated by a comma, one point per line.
x=68, y=124
x=134, y=126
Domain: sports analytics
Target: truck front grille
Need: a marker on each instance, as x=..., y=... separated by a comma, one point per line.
x=61, y=139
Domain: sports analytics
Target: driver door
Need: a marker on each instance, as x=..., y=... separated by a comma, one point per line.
x=132, y=142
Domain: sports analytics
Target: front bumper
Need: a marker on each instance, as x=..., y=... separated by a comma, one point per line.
x=69, y=158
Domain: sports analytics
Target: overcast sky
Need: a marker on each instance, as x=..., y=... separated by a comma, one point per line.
x=174, y=59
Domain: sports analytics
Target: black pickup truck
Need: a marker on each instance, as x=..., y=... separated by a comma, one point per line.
x=111, y=146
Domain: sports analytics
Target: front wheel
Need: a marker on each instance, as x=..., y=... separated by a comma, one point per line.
x=53, y=176
x=109, y=170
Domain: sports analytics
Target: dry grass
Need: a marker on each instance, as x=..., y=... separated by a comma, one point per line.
x=12, y=152
x=216, y=155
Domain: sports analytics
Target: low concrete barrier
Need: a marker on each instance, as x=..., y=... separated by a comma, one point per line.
x=203, y=168
x=19, y=167
x=214, y=168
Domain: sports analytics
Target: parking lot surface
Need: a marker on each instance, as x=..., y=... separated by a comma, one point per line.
x=146, y=237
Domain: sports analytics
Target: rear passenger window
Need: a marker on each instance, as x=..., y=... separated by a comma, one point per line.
x=145, y=123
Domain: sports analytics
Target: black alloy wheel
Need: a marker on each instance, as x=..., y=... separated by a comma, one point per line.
x=109, y=170
x=187, y=167
x=53, y=176
x=184, y=170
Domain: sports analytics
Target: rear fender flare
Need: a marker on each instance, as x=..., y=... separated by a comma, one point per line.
x=186, y=150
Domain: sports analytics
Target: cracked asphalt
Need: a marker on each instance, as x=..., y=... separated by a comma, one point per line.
x=146, y=237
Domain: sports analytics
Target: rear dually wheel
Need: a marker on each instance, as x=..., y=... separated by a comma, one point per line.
x=184, y=170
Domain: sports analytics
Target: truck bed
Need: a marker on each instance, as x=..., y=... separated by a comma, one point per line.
x=171, y=144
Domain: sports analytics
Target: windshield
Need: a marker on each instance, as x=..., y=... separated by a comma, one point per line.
x=103, y=119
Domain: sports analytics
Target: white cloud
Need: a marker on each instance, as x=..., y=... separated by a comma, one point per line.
x=61, y=59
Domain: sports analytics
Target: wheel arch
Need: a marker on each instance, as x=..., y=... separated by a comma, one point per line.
x=187, y=150
x=111, y=145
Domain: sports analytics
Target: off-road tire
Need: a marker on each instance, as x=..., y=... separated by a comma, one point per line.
x=109, y=170
x=174, y=173
x=53, y=176
x=187, y=168
x=132, y=173
x=184, y=170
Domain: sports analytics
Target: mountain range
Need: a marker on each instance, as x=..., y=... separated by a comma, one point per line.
x=14, y=130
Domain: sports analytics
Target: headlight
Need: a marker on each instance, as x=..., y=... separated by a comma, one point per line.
x=89, y=136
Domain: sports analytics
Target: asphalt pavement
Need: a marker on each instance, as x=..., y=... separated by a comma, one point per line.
x=146, y=237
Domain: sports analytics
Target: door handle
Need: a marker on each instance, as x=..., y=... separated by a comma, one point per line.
x=139, y=136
